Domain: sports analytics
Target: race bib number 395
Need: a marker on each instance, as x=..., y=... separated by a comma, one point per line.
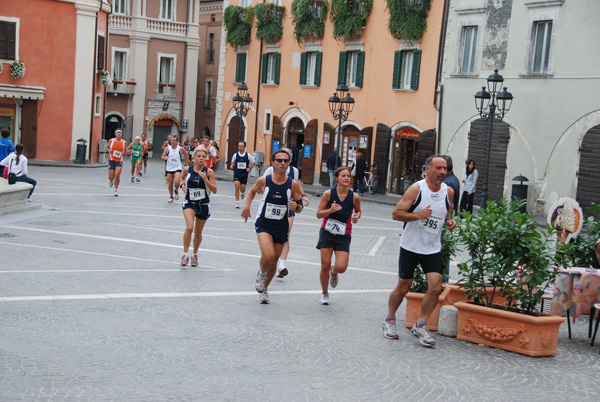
x=432, y=225
x=275, y=211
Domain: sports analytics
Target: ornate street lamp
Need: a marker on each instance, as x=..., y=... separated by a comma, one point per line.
x=341, y=105
x=492, y=105
x=242, y=103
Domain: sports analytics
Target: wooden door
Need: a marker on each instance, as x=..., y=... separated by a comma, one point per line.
x=326, y=149
x=588, y=175
x=29, y=128
x=381, y=156
x=426, y=147
x=477, y=144
x=232, y=140
x=276, y=138
x=364, y=147
x=310, y=141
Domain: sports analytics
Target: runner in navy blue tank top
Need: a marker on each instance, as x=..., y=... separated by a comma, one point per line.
x=279, y=194
x=197, y=182
x=339, y=208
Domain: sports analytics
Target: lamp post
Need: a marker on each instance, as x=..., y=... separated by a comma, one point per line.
x=492, y=105
x=241, y=103
x=341, y=105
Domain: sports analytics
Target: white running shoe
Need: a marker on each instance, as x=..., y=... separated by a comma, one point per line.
x=282, y=272
x=137, y=179
x=333, y=279
x=260, y=282
x=132, y=179
x=115, y=192
x=324, y=299
x=389, y=329
x=243, y=196
x=176, y=195
x=423, y=334
x=264, y=297
x=184, y=260
x=110, y=183
x=194, y=262
x=144, y=170
x=170, y=200
x=237, y=204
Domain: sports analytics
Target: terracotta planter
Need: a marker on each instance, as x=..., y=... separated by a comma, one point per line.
x=413, y=309
x=520, y=333
x=459, y=294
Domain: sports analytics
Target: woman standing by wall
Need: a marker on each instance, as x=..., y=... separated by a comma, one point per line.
x=466, y=201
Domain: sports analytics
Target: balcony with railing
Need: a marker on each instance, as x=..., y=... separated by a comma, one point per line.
x=165, y=90
x=157, y=26
x=121, y=86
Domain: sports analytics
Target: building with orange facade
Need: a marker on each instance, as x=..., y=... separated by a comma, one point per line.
x=50, y=90
x=291, y=78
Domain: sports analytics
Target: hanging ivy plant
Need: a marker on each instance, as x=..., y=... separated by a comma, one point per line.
x=408, y=18
x=349, y=17
x=268, y=21
x=238, y=24
x=308, y=17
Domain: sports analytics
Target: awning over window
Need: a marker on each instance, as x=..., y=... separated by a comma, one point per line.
x=21, y=92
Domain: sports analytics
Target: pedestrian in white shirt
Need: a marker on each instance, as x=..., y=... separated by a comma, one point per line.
x=17, y=164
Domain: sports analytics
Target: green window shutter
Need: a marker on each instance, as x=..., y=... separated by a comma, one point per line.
x=342, y=68
x=265, y=68
x=416, y=68
x=277, y=66
x=303, y=68
x=240, y=67
x=318, y=68
x=397, y=69
x=360, y=68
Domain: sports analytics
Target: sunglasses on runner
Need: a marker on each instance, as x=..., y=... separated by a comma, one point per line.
x=282, y=160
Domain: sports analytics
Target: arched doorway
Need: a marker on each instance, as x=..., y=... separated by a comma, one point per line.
x=404, y=169
x=295, y=140
x=588, y=175
x=111, y=124
x=162, y=129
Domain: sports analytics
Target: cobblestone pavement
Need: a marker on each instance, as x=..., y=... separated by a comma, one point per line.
x=94, y=307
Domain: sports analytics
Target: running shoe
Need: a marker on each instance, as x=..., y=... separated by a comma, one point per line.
x=282, y=272
x=144, y=170
x=170, y=200
x=333, y=279
x=110, y=183
x=137, y=179
x=260, y=282
x=184, y=260
x=132, y=179
x=389, y=329
x=176, y=195
x=264, y=297
x=243, y=195
x=324, y=299
x=115, y=192
x=423, y=334
x=194, y=262
x=237, y=205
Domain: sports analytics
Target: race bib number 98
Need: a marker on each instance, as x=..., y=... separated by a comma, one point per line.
x=275, y=211
x=432, y=225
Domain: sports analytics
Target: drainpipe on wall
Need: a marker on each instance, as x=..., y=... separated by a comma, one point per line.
x=94, y=85
x=439, y=92
x=105, y=61
x=258, y=97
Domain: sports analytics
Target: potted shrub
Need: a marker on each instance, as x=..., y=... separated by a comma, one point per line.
x=511, y=253
x=408, y=18
x=238, y=24
x=268, y=21
x=105, y=78
x=419, y=286
x=17, y=69
x=349, y=17
x=308, y=17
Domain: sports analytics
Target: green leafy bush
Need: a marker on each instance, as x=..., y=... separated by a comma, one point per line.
x=268, y=21
x=238, y=24
x=306, y=23
x=408, y=19
x=349, y=17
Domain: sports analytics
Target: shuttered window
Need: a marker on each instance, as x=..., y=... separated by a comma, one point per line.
x=310, y=68
x=270, y=69
x=101, y=53
x=407, y=67
x=240, y=68
x=351, y=68
x=8, y=36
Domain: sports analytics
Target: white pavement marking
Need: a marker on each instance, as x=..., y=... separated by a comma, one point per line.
x=376, y=246
x=179, y=231
x=177, y=295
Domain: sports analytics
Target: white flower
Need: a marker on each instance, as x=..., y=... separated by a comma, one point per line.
x=17, y=69
x=105, y=78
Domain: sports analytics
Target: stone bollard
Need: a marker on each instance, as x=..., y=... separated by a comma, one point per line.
x=448, y=322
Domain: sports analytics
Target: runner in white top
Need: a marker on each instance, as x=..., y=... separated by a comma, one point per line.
x=424, y=209
x=172, y=155
x=292, y=172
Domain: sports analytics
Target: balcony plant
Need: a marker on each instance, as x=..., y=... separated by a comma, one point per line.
x=408, y=18
x=349, y=17
x=308, y=17
x=105, y=78
x=268, y=21
x=238, y=24
x=512, y=254
x=17, y=69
